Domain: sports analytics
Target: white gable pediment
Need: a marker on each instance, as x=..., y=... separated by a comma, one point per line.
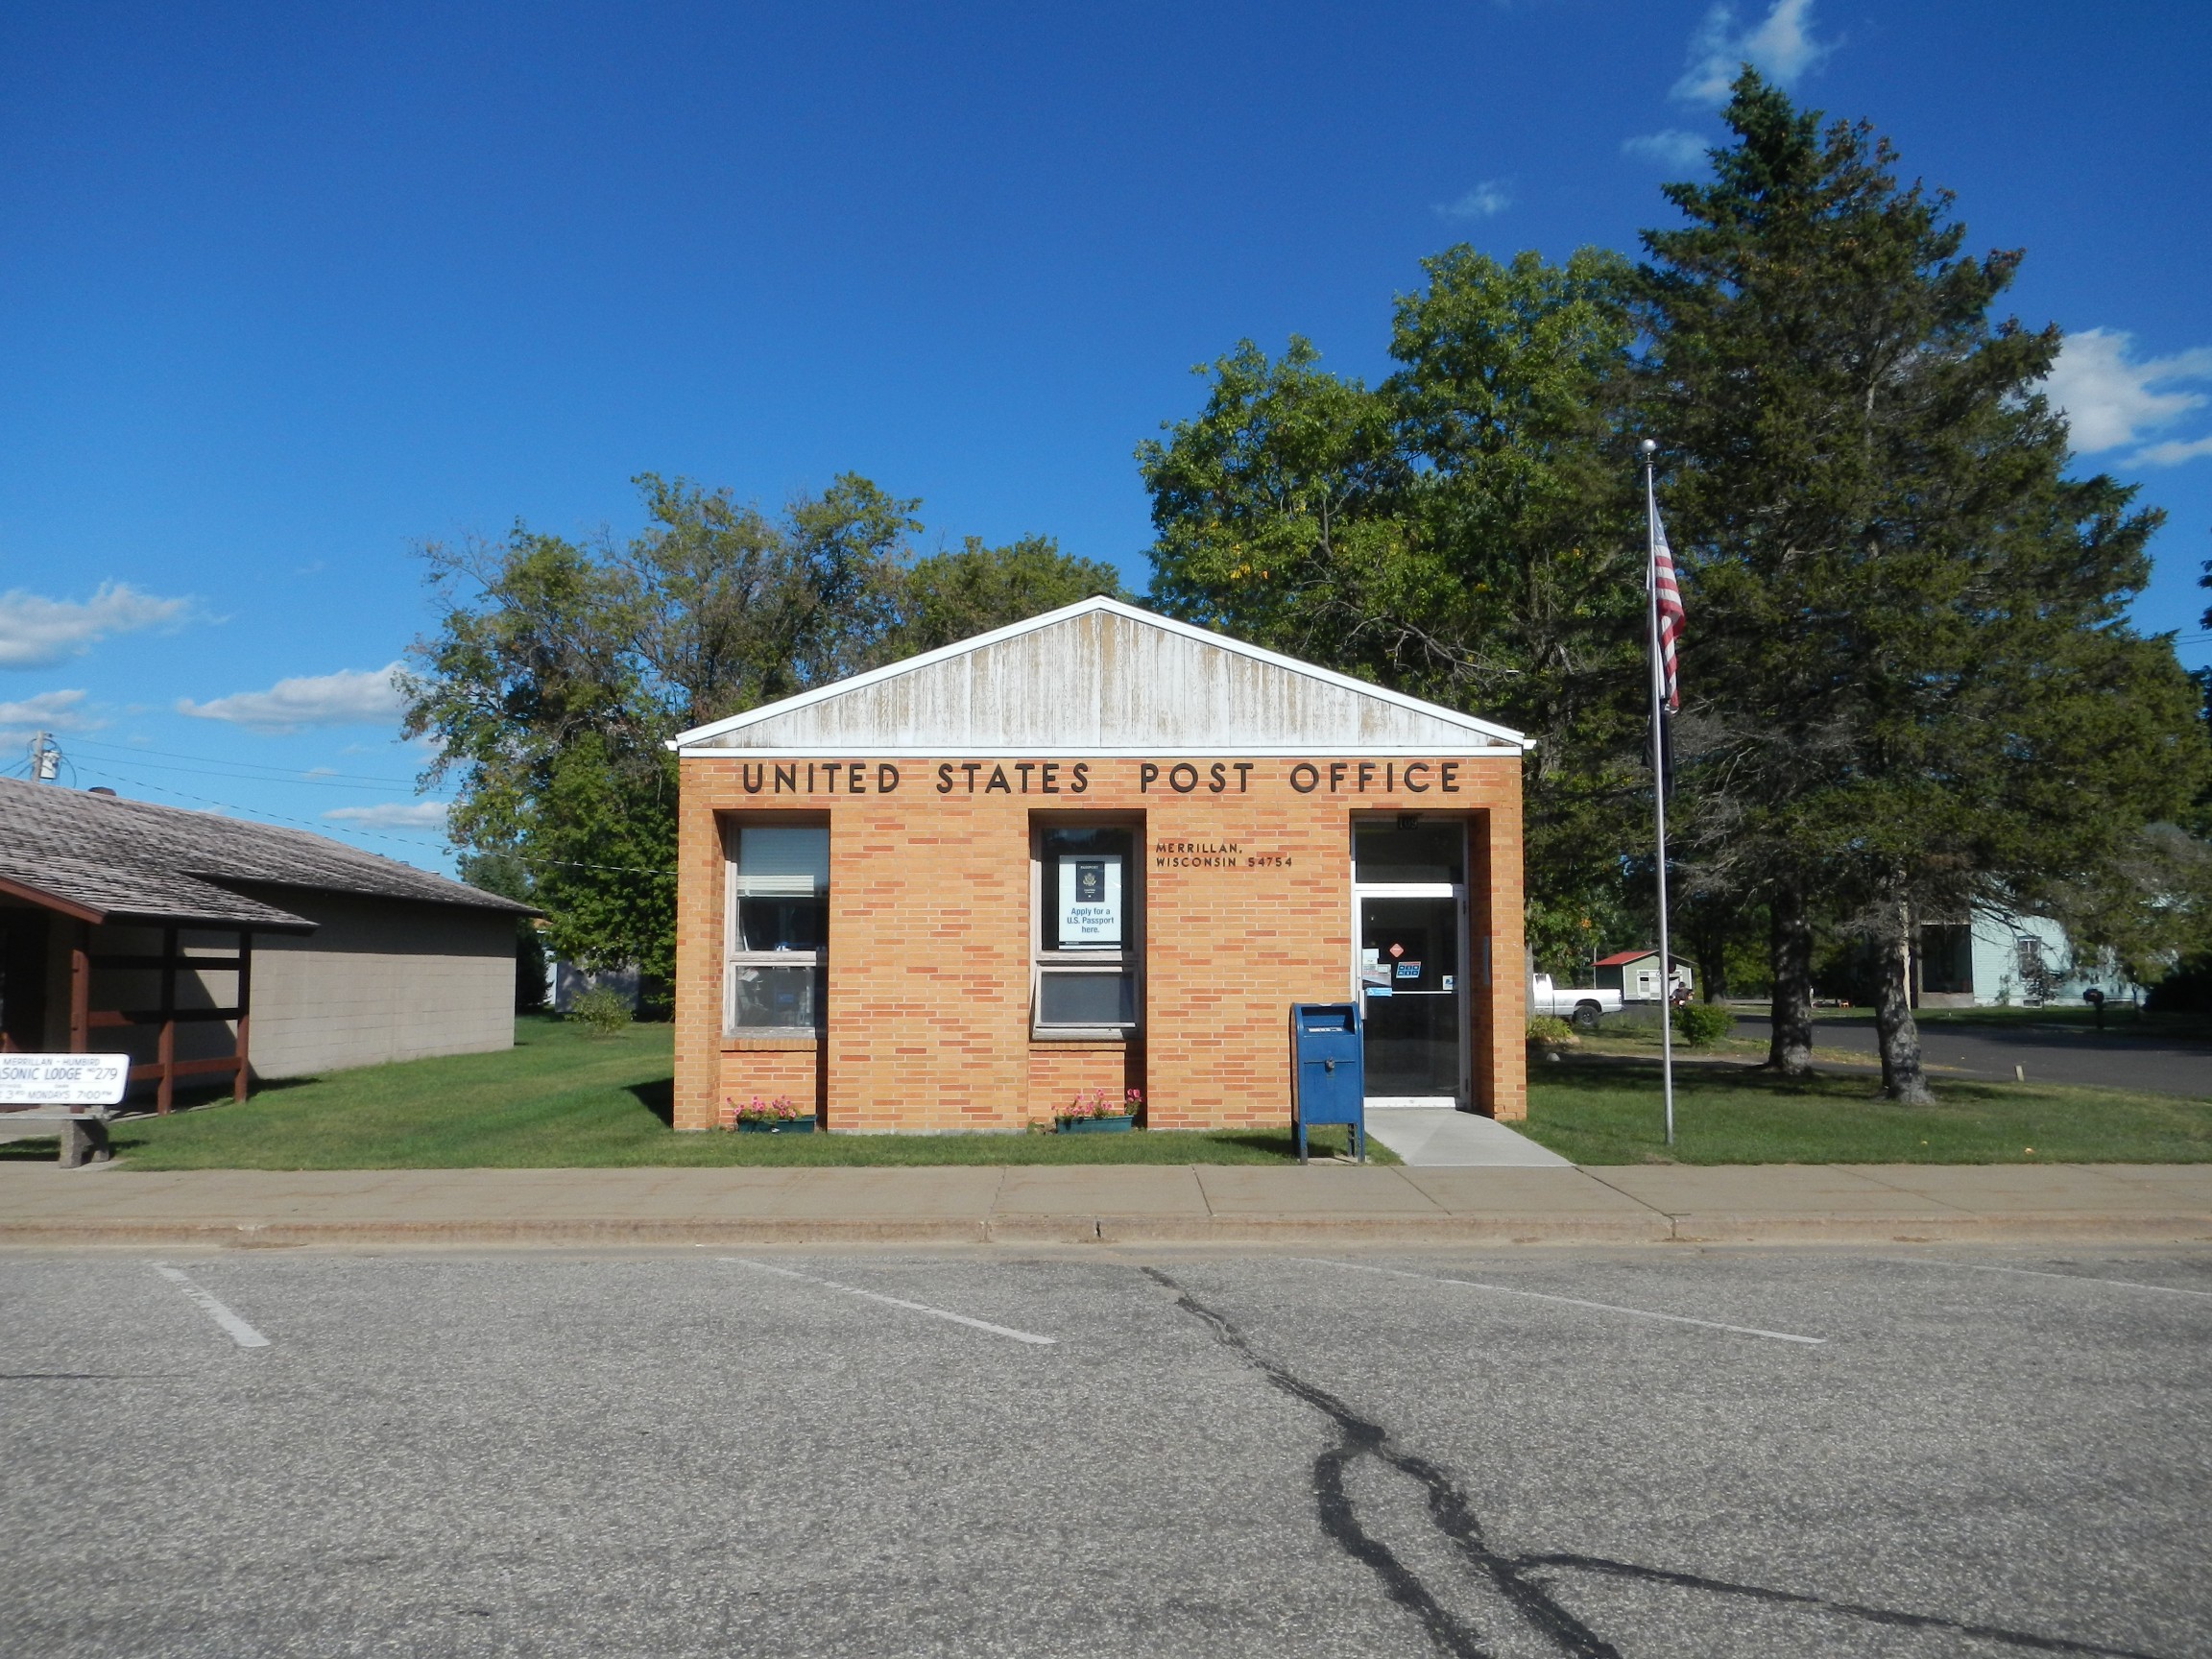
x=1105, y=678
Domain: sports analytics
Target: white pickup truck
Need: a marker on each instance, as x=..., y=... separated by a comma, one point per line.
x=1580, y=1009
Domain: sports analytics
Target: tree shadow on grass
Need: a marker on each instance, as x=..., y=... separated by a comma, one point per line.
x=1706, y=1076
x=657, y=1098
x=46, y=1148
x=1321, y=1142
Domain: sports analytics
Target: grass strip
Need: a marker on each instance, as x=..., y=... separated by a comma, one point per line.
x=561, y=1098
x=1599, y=1111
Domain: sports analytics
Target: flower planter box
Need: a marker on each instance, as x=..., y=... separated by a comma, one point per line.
x=777, y=1126
x=1120, y=1125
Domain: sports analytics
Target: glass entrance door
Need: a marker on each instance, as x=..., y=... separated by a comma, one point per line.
x=1409, y=982
x=1410, y=900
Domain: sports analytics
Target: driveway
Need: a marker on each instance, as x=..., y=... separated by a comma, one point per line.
x=2048, y=1053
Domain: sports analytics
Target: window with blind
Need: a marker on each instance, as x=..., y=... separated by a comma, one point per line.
x=777, y=929
x=1087, y=979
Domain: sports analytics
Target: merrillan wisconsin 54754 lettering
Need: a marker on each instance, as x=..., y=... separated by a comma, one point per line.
x=1075, y=776
x=1213, y=856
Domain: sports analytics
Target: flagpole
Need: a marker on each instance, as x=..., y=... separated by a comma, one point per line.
x=1651, y=449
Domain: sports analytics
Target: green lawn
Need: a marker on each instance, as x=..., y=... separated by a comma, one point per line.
x=563, y=1098
x=1596, y=1113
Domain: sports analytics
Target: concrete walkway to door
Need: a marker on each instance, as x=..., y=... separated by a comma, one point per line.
x=1441, y=1138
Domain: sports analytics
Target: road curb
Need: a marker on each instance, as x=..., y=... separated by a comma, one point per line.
x=2024, y=1229
x=629, y=1233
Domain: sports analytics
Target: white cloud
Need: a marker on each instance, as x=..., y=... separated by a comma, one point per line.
x=1485, y=200
x=36, y=631
x=1780, y=46
x=349, y=697
x=1670, y=149
x=2173, y=452
x=48, y=712
x=392, y=816
x=2109, y=402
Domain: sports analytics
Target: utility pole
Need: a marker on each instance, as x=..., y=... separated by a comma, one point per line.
x=45, y=759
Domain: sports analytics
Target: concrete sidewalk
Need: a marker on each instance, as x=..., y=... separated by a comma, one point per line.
x=41, y=1206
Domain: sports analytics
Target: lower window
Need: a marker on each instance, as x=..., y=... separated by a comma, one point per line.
x=777, y=998
x=1088, y=951
x=1086, y=996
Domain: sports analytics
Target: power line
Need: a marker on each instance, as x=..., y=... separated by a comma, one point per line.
x=397, y=840
x=411, y=843
x=250, y=812
x=288, y=772
x=618, y=869
x=383, y=786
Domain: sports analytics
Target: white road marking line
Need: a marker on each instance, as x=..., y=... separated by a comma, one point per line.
x=1571, y=1302
x=898, y=1301
x=2070, y=1277
x=238, y=1331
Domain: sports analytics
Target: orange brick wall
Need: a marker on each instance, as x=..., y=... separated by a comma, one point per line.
x=930, y=934
x=768, y=1068
x=1059, y=1071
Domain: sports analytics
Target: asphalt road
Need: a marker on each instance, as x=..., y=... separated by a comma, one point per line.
x=1981, y=1454
x=2049, y=1053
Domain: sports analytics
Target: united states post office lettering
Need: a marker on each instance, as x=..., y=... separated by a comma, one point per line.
x=849, y=778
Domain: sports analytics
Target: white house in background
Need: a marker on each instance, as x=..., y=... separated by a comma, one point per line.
x=1998, y=957
x=565, y=982
x=1635, y=975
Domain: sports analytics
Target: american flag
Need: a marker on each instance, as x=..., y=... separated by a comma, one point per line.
x=1670, y=598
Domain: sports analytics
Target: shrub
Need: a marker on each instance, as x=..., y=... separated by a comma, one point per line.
x=605, y=1012
x=1552, y=1031
x=1701, y=1025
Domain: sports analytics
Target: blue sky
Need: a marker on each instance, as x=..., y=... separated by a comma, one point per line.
x=288, y=290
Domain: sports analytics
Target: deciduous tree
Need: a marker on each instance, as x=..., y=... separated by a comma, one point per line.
x=1464, y=532
x=559, y=671
x=973, y=589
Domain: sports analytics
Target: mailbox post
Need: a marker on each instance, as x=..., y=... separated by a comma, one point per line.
x=1328, y=1070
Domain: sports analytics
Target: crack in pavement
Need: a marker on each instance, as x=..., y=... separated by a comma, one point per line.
x=2021, y=1639
x=1514, y=1577
x=1449, y=1510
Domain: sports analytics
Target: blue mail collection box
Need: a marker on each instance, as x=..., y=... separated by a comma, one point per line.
x=1328, y=1073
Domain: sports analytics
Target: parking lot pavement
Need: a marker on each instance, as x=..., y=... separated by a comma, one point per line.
x=2046, y=1053
x=1709, y=1452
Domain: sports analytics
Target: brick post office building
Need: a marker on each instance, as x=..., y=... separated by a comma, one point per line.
x=1099, y=849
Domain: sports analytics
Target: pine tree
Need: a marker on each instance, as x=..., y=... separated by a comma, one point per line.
x=1911, y=685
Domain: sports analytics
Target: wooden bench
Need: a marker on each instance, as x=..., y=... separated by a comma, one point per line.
x=83, y=1129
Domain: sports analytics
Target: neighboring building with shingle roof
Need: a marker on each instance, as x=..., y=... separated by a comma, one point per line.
x=212, y=944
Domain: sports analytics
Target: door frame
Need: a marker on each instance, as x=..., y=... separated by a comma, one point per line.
x=1463, y=984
